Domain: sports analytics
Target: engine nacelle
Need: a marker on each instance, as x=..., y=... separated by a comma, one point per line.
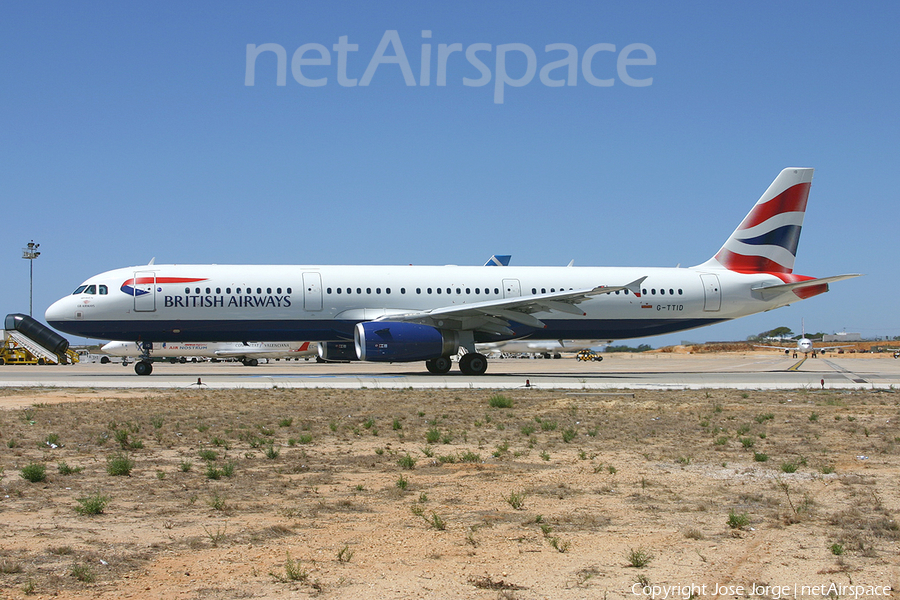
x=337, y=351
x=386, y=341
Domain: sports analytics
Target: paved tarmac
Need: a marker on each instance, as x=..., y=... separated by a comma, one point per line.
x=616, y=371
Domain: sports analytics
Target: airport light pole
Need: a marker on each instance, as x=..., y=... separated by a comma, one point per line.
x=31, y=252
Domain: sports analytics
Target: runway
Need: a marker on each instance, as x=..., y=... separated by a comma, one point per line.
x=638, y=371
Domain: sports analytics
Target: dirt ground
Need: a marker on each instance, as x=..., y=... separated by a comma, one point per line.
x=449, y=494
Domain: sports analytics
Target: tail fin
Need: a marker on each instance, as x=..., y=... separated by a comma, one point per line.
x=766, y=240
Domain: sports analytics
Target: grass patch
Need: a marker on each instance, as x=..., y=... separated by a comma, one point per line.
x=34, y=472
x=119, y=465
x=500, y=401
x=94, y=504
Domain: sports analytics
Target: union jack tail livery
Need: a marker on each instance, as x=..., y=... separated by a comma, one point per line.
x=766, y=240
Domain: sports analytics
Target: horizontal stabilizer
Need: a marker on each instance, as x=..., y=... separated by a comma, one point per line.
x=803, y=289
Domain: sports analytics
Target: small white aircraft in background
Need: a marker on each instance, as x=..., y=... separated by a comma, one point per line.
x=248, y=353
x=804, y=345
x=545, y=347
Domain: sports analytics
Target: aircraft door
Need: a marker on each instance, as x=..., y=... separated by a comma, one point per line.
x=312, y=291
x=144, y=291
x=712, y=292
x=511, y=288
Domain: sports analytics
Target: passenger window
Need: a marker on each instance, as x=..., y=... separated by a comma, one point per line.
x=187, y=290
x=653, y=291
x=662, y=292
x=671, y=292
x=259, y=290
x=458, y=291
x=368, y=290
x=237, y=291
x=289, y=290
x=387, y=290
x=402, y=290
x=644, y=291
x=429, y=290
x=359, y=290
x=418, y=290
x=196, y=290
x=438, y=290
x=277, y=290
x=377, y=290
x=468, y=290
x=218, y=290
x=477, y=291
x=339, y=290
x=497, y=291
x=208, y=291
x=680, y=292
x=227, y=290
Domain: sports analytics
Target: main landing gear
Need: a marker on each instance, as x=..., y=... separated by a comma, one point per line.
x=471, y=363
x=144, y=366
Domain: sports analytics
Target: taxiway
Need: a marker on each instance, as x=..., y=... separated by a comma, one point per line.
x=644, y=371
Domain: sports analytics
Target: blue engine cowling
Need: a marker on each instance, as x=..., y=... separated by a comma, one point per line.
x=386, y=341
x=337, y=351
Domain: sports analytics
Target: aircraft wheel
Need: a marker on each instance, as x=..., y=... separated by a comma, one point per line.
x=143, y=368
x=438, y=366
x=473, y=364
x=251, y=362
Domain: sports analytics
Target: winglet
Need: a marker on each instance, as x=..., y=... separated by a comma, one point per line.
x=498, y=260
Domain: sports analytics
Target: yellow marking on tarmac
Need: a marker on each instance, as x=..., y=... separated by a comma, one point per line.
x=797, y=366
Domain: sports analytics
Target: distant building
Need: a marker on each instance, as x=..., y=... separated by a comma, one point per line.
x=842, y=337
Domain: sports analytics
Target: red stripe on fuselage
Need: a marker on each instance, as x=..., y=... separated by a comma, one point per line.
x=140, y=280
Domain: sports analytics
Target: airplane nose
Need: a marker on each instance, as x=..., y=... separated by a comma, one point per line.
x=59, y=311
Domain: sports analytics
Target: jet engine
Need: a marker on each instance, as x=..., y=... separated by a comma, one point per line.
x=337, y=351
x=386, y=341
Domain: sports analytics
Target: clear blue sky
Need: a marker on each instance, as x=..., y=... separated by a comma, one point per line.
x=128, y=133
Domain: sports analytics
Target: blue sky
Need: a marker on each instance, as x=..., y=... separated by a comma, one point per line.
x=128, y=133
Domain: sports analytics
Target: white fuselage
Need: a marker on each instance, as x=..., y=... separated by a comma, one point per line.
x=223, y=350
x=203, y=303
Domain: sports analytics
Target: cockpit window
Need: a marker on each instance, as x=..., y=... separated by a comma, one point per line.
x=78, y=290
x=91, y=289
x=103, y=290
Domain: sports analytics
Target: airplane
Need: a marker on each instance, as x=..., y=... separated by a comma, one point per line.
x=432, y=313
x=804, y=345
x=247, y=353
x=544, y=347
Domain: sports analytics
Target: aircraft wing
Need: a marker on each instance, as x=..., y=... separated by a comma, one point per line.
x=776, y=347
x=494, y=316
